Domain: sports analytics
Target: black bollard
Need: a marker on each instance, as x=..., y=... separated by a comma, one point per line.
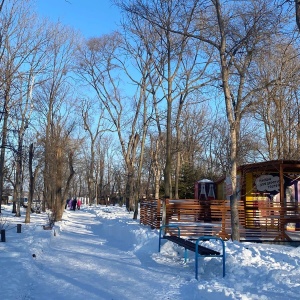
x=19, y=226
x=2, y=235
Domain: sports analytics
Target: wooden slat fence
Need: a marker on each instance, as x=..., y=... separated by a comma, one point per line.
x=258, y=220
x=151, y=212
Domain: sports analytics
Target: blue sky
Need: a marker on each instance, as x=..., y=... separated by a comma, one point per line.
x=91, y=17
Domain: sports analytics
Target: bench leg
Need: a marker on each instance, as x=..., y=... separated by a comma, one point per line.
x=196, y=265
x=159, y=244
x=223, y=260
x=197, y=255
x=185, y=255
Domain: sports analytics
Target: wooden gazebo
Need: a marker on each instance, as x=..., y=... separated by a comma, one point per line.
x=268, y=206
x=271, y=190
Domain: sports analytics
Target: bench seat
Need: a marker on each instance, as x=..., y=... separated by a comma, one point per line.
x=190, y=245
x=193, y=246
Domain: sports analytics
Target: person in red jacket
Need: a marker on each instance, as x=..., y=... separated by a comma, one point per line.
x=78, y=203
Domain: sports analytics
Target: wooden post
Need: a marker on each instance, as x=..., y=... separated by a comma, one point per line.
x=158, y=214
x=3, y=235
x=19, y=226
x=281, y=190
x=164, y=212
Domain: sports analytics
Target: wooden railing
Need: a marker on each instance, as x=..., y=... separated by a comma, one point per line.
x=276, y=218
x=202, y=218
x=258, y=220
x=151, y=212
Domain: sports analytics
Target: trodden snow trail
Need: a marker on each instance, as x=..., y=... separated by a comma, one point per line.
x=97, y=252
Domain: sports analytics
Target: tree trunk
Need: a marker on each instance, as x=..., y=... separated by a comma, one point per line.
x=177, y=173
x=129, y=192
x=235, y=231
x=136, y=206
x=297, y=7
x=233, y=123
x=61, y=197
x=167, y=170
x=3, y=146
x=31, y=185
x=19, y=181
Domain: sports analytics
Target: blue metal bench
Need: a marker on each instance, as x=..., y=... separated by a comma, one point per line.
x=193, y=246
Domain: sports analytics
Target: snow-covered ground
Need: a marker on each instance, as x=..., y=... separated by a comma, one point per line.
x=101, y=253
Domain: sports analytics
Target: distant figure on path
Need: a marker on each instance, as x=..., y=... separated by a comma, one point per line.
x=78, y=203
x=67, y=203
x=74, y=203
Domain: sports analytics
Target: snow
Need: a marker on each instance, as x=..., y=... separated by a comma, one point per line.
x=99, y=252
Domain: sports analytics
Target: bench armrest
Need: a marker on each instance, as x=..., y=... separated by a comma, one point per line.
x=162, y=231
x=207, y=238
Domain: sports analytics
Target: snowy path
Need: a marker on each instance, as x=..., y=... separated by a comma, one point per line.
x=90, y=259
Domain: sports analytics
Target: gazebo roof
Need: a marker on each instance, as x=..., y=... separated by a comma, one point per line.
x=292, y=166
x=287, y=166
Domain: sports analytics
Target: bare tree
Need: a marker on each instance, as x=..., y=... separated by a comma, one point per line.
x=22, y=37
x=100, y=61
x=280, y=76
x=179, y=67
x=94, y=127
x=33, y=172
x=52, y=98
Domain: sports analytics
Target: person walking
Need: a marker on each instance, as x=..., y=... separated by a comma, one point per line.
x=70, y=204
x=78, y=203
x=67, y=203
x=74, y=204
